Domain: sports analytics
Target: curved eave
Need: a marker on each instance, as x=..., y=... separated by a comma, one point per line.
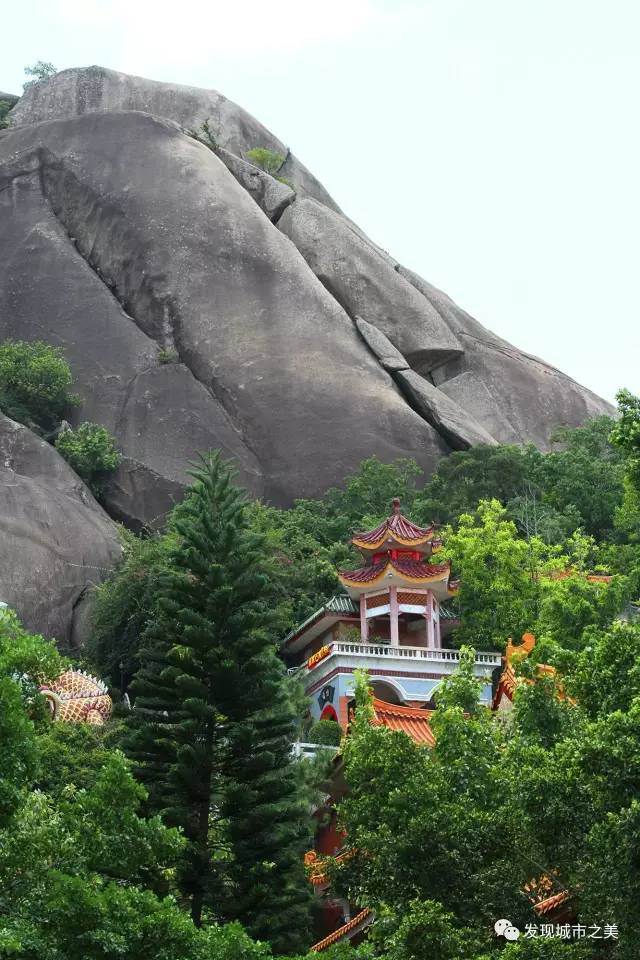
x=410, y=720
x=438, y=576
x=390, y=539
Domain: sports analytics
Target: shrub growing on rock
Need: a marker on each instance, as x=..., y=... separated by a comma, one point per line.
x=5, y=106
x=41, y=70
x=268, y=160
x=35, y=384
x=91, y=451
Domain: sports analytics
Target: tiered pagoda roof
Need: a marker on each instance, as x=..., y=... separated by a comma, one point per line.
x=413, y=571
x=397, y=552
x=398, y=530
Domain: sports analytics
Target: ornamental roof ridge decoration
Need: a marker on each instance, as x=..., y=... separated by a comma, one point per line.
x=509, y=680
x=398, y=527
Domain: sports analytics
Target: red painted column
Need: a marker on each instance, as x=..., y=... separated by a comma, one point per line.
x=364, y=623
x=393, y=613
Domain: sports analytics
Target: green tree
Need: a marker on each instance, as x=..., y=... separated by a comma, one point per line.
x=464, y=478
x=82, y=872
x=19, y=755
x=91, y=451
x=125, y=604
x=499, y=592
x=35, y=384
x=583, y=479
x=41, y=70
x=212, y=728
x=445, y=839
x=578, y=484
x=432, y=825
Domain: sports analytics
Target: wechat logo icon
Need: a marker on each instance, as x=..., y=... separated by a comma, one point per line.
x=504, y=928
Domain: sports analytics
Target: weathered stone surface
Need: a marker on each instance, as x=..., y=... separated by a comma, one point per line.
x=452, y=422
x=517, y=397
x=72, y=93
x=390, y=358
x=55, y=540
x=161, y=414
x=271, y=195
x=171, y=247
x=192, y=322
x=365, y=282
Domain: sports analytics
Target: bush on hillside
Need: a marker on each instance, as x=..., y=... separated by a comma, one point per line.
x=35, y=384
x=5, y=106
x=91, y=451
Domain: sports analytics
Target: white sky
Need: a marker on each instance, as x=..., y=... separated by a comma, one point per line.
x=491, y=145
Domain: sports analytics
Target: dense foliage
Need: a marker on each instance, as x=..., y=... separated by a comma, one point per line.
x=97, y=864
x=268, y=160
x=495, y=805
x=91, y=451
x=35, y=384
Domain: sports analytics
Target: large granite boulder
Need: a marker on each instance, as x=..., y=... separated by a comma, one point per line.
x=56, y=542
x=72, y=93
x=145, y=242
x=205, y=304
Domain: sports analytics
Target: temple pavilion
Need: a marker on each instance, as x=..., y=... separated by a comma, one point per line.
x=392, y=620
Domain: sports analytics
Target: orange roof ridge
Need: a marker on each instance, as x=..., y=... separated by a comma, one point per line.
x=410, y=720
x=342, y=931
x=399, y=709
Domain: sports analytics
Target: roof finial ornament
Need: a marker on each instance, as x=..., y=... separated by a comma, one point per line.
x=396, y=505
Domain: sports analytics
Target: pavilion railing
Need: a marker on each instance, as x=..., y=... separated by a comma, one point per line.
x=409, y=653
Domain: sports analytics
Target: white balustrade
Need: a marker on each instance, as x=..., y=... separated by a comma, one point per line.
x=409, y=653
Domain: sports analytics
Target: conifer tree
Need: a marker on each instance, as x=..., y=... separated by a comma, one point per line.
x=212, y=727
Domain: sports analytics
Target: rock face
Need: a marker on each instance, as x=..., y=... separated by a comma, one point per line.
x=364, y=281
x=517, y=397
x=459, y=428
x=204, y=304
x=73, y=93
x=55, y=541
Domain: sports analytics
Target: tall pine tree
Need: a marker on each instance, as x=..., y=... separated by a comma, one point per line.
x=212, y=727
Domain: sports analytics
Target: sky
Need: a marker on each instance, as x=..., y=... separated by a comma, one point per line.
x=493, y=146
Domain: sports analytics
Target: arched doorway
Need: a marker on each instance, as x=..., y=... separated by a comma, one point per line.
x=383, y=690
